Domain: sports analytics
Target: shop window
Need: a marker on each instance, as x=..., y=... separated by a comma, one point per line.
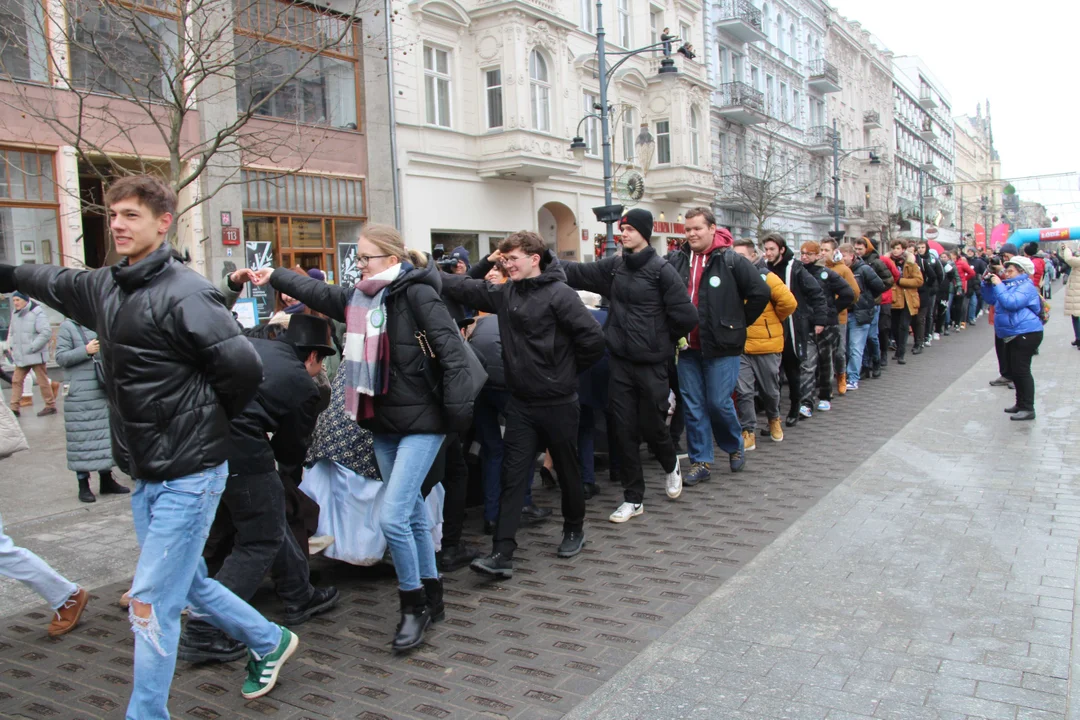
x=23, y=55
x=29, y=229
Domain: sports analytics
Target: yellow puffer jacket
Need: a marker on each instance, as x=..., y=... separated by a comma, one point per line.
x=766, y=335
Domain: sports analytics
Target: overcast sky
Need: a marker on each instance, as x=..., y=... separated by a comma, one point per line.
x=1020, y=56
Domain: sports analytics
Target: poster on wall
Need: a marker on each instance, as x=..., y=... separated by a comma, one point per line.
x=348, y=272
x=260, y=254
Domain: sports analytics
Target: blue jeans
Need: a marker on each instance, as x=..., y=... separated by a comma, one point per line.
x=973, y=304
x=857, y=336
x=706, y=387
x=172, y=519
x=404, y=461
x=20, y=564
x=489, y=405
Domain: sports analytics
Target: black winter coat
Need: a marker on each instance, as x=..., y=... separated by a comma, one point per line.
x=176, y=366
x=426, y=395
x=812, y=309
x=880, y=269
x=838, y=294
x=286, y=405
x=487, y=342
x=733, y=295
x=870, y=289
x=548, y=336
x=650, y=306
x=933, y=275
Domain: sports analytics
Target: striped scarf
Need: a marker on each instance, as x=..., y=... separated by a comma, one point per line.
x=367, y=345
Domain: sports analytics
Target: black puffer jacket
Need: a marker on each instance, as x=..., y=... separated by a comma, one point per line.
x=812, y=309
x=487, y=342
x=933, y=275
x=548, y=336
x=425, y=395
x=285, y=405
x=870, y=289
x=733, y=295
x=650, y=307
x=838, y=294
x=176, y=366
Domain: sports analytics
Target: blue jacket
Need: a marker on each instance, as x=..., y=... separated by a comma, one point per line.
x=1018, y=306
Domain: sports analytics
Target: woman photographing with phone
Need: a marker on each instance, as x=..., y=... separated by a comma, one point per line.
x=1018, y=324
x=408, y=382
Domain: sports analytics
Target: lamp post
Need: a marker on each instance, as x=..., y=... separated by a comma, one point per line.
x=837, y=156
x=609, y=213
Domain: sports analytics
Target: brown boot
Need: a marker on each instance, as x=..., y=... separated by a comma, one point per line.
x=841, y=384
x=67, y=617
x=26, y=401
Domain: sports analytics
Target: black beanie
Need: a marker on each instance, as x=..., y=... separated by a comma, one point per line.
x=640, y=220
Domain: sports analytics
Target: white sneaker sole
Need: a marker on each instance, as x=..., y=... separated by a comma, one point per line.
x=293, y=643
x=676, y=494
x=621, y=518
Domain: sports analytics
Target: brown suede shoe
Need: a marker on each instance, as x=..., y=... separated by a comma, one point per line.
x=67, y=617
x=47, y=411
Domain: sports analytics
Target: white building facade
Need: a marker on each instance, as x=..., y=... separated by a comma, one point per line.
x=488, y=95
x=767, y=65
x=978, y=173
x=863, y=111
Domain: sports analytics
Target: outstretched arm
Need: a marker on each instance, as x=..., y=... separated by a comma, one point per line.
x=592, y=277
x=71, y=292
x=330, y=300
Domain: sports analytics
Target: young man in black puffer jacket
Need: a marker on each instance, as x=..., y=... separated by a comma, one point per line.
x=861, y=315
x=650, y=311
x=548, y=338
x=817, y=368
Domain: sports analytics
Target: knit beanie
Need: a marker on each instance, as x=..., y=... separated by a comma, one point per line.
x=21, y=296
x=640, y=220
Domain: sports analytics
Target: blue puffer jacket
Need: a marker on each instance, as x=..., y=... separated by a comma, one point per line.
x=1018, y=306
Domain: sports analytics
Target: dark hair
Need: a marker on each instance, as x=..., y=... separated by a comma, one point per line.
x=774, y=237
x=1031, y=249
x=525, y=240
x=831, y=241
x=147, y=189
x=898, y=242
x=744, y=242
x=704, y=212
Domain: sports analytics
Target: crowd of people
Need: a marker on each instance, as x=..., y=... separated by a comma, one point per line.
x=347, y=421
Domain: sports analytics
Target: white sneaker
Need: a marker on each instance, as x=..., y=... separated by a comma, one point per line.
x=628, y=510
x=824, y=405
x=674, y=482
x=937, y=336
x=927, y=343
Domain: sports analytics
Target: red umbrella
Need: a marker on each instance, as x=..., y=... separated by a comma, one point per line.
x=935, y=245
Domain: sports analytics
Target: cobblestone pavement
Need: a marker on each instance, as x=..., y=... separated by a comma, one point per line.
x=939, y=580
x=541, y=644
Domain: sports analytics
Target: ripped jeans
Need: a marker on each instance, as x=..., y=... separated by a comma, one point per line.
x=172, y=521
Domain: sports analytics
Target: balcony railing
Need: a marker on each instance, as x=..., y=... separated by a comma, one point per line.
x=872, y=117
x=821, y=135
x=738, y=94
x=824, y=69
x=740, y=10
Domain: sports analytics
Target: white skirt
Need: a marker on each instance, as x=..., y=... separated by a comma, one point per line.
x=349, y=507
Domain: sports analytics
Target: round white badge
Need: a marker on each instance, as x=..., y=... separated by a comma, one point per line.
x=714, y=282
x=824, y=275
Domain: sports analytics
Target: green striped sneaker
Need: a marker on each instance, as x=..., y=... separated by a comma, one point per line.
x=263, y=672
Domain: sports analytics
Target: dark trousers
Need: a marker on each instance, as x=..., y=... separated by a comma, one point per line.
x=1019, y=350
x=827, y=343
x=529, y=430
x=587, y=444
x=790, y=366
x=922, y=321
x=449, y=468
x=940, y=311
x=901, y=324
x=638, y=398
x=884, y=332
x=250, y=536
x=490, y=404
x=1004, y=369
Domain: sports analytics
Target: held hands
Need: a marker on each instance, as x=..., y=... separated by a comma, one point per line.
x=93, y=347
x=241, y=276
x=261, y=277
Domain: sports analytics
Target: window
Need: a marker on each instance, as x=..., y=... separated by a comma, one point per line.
x=437, y=85
x=755, y=78
x=796, y=109
x=588, y=19
x=29, y=221
x=494, y=96
x=770, y=99
x=792, y=49
x=780, y=32
x=725, y=67
x=656, y=24
x=540, y=88
x=663, y=142
x=23, y=55
x=592, y=125
x=866, y=197
x=624, y=23
x=737, y=68
x=684, y=32
x=629, y=133
x=785, y=110
x=296, y=63
x=695, y=137
x=766, y=25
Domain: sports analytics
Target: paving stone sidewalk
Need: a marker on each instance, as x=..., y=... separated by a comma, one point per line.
x=534, y=647
x=939, y=580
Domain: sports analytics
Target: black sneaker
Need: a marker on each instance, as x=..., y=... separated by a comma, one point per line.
x=203, y=643
x=321, y=600
x=456, y=557
x=737, y=461
x=571, y=544
x=589, y=490
x=533, y=514
x=496, y=565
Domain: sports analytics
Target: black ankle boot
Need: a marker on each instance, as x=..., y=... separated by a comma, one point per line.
x=415, y=618
x=433, y=591
x=85, y=495
x=109, y=486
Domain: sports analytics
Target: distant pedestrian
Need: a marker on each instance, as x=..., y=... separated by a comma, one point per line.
x=28, y=342
x=1072, y=291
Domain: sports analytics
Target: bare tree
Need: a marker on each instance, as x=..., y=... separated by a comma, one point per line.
x=773, y=178
x=127, y=76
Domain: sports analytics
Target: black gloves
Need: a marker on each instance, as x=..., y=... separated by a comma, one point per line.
x=7, y=279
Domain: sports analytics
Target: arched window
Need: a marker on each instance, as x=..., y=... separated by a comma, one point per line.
x=792, y=49
x=765, y=24
x=540, y=87
x=809, y=48
x=695, y=137
x=780, y=31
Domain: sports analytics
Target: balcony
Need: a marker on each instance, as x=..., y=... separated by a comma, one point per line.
x=823, y=212
x=820, y=139
x=871, y=120
x=927, y=133
x=926, y=98
x=824, y=77
x=740, y=103
x=681, y=184
x=523, y=155
x=740, y=20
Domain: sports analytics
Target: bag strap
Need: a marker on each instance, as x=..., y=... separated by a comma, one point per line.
x=85, y=342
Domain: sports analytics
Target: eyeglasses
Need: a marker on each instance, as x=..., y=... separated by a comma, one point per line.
x=512, y=260
x=363, y=260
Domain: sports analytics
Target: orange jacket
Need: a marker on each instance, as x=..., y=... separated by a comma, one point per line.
x=906, y=291
x=849, y=277
x=766, y=335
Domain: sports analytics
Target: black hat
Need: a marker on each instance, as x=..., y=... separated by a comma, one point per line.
x=308, y=332
x=640, y=220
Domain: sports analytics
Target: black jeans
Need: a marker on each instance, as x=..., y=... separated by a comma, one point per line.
x=901, y=324
x=638, y=397
x=529, y=430
x=250, y=536
x=450, y=469
x=884, y=331
x=924, y=321
x=1002, y=358
x=790, y=366
x=1020, y=349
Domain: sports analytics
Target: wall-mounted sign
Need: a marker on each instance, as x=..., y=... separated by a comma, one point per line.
x=230, y=236
x=668, y=228
x=226, y=219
